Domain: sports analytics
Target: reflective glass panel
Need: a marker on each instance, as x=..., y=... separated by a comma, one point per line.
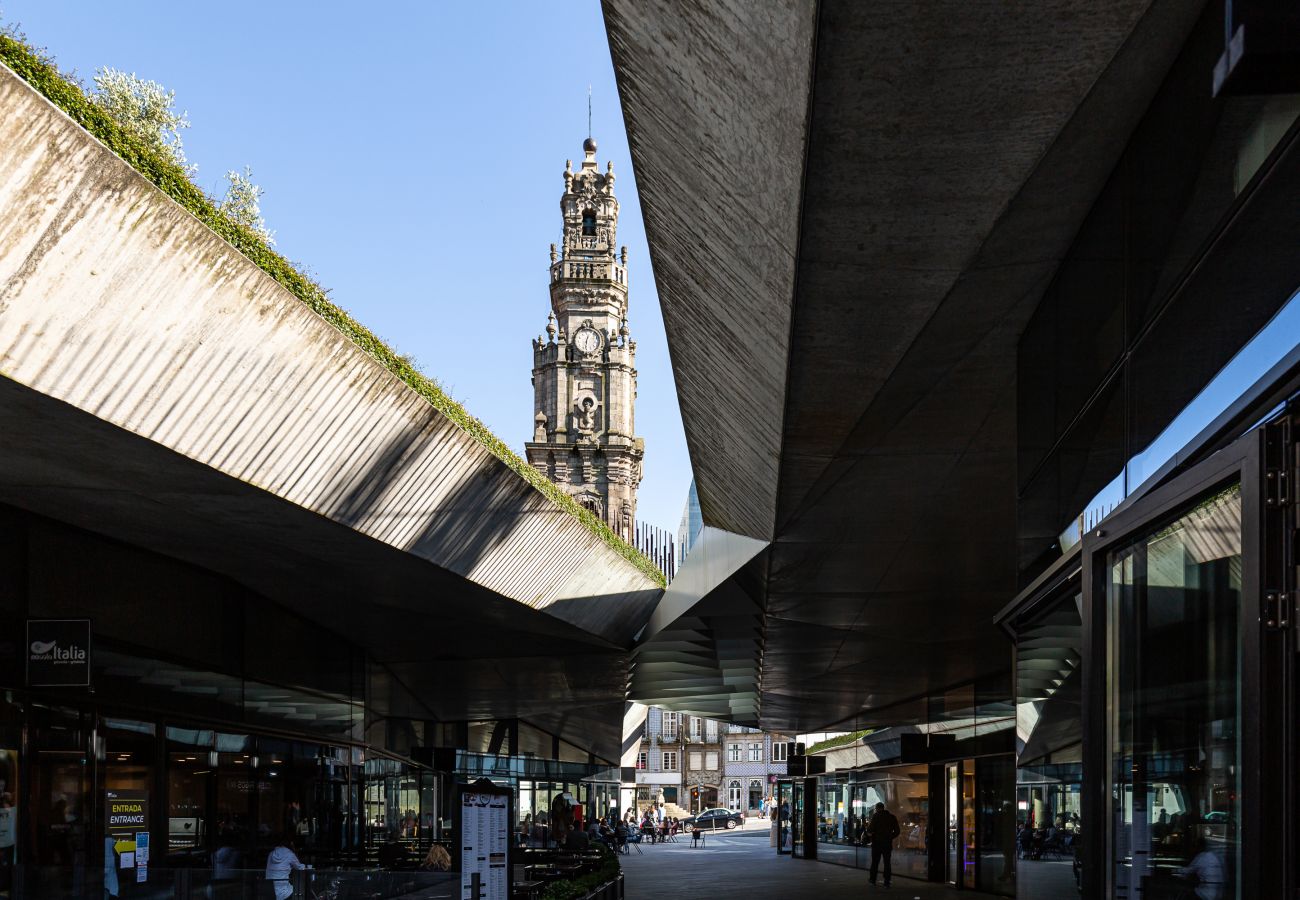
x=1174, y=602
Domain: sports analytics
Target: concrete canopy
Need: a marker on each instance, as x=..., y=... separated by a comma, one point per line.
x=946, y=154
x=160, y=389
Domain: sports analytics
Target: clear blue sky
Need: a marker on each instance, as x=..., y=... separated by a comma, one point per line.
x=411, y=155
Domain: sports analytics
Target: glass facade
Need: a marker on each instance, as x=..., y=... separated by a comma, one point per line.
x=228, y=721
x=1125, y=338
x=845, y=802
x=1174, y=602
x=1049, y=742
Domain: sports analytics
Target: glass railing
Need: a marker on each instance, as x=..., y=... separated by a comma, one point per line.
x=231, y=884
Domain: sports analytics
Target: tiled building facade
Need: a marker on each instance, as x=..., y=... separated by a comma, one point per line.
x=690, y=763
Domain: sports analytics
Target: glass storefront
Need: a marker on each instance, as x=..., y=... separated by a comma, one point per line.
x=1049, y=738
x=975, y=815
x=545, y=788
x=845, y=801
x=209, y=799
x=797, y=812
x=784, y=836
x=1174, y=602
x=959, y=783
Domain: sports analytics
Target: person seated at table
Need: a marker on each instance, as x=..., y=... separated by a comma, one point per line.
x=623, y=834
x=600, y=831
x=437, y=858
x=1205, y=871
x=577, y=841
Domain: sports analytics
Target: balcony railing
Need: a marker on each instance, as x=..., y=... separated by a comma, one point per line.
x=582, y=270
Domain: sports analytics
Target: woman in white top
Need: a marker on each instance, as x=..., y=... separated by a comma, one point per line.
x=279, y=864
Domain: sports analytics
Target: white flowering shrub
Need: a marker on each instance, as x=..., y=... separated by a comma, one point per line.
x=240, y=204
x=145, y=107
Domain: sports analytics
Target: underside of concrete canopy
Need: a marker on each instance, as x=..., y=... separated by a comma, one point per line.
x=853, y=208
x=161, y=390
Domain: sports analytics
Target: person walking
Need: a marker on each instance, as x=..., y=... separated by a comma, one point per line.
x=881, y=831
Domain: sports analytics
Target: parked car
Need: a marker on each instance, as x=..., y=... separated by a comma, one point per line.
x=712, y=819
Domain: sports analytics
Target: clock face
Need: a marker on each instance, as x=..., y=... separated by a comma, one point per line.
x=586, y=340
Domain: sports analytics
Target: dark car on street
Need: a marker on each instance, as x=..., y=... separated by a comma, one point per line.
x=713, y=819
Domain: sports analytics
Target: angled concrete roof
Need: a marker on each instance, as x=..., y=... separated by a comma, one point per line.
x=715, y=101
x=948, y=154
x=159, y=387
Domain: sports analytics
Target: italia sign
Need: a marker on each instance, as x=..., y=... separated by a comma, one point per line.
x=58, y=652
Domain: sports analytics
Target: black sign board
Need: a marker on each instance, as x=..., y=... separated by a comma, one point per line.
x=126, y=813
x=58, y=652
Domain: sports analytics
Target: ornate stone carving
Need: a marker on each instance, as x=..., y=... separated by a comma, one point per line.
x=583, y=375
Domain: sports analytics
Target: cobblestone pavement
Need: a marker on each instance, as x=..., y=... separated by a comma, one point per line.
x=745, y=864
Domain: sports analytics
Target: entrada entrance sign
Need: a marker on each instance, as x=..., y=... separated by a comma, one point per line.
x=58, y=652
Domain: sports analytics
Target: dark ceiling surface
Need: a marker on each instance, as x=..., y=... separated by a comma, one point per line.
x=953, y=149
x=453, y=649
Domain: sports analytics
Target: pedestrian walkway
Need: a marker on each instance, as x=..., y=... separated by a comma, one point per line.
x=747, y=861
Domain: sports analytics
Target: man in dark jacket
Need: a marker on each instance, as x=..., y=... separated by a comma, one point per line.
x=881, y=831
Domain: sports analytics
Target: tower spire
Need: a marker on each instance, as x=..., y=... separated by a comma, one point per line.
x=584, y=380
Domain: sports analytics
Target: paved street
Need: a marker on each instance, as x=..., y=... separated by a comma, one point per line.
x=746, y=862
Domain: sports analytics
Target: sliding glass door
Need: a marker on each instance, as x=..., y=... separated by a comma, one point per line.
x=1174, y=648
x=1174, y=605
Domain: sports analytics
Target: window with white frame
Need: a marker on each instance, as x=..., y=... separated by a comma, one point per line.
x=695, y=759
x=711, y=730
x=779, y=749
x=642, y=760
x=755, y=752
x=696, y=729
x=711, y=759
x=733, y=796
x=670, y=726
x=733, y=753
x=670, y=760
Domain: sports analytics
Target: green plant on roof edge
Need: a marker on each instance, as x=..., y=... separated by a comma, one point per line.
x=39, y=71
x=842, y=741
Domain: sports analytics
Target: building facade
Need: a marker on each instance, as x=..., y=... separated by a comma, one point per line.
x=690, y=763
x=584, y=369
x=752, y=760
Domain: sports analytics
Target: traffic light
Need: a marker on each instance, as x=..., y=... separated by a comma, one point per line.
x=695, y=793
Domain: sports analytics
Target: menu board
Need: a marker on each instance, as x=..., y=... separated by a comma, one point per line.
x=485, y=843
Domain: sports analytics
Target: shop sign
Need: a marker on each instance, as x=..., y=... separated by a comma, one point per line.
x=58, y=652
x=126, y=817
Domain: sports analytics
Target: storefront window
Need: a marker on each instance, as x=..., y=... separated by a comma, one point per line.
x=905, y=791
x=60, y=797
x=1174, y=603
x=10, y=790
x=1049, y=740
x=797, y=818
x=835, y=829
x=995, y=816
x=783, y=811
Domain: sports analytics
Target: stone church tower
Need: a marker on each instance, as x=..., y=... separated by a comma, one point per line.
x=584, y=370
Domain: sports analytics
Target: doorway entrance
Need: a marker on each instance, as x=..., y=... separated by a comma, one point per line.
x=959, y=807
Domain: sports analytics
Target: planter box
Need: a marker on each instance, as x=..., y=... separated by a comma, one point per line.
x=610, y=890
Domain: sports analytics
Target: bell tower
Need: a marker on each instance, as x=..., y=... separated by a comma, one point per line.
x=584, y=370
